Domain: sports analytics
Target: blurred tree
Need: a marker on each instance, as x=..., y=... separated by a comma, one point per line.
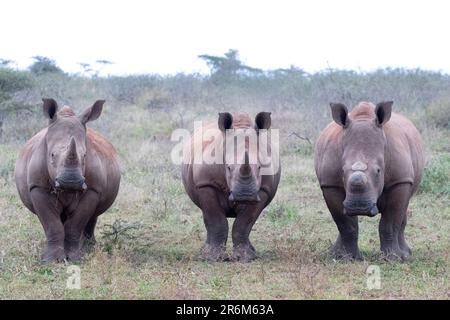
x=102, y=64
x=87, y=68
x=44, y=65
x=11, y=82
x=6, y=62
x=94, y=70
x=228, y=67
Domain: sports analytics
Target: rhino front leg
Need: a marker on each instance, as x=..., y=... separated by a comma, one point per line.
x=393, y=223
x=75, y=225
x=216, y=224
x=346, y=245
x=246, y=217
x=49, y=213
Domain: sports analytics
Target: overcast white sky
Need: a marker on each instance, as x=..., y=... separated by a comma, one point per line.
x=167, y=36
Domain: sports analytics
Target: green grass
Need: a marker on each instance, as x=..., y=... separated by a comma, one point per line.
x=148, y=243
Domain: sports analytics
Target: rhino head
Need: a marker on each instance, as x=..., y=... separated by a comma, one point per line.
x=243, y=176
x=66, y=144
x=363, y=161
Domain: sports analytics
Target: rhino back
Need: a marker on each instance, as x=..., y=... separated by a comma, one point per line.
x=404, y=157
x=30, y=167
x=197, y=175
x=328, y=155
x=102, y=168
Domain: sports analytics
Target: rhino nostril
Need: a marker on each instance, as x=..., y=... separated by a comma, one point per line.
x=358, y=179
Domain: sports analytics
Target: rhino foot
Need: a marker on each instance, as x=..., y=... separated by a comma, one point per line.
x=74, y=255
x=54, y=254
x=88, y=245
x=244, y=253
x=214, y=253
x=73, y=251
x=340, y=252
x=396, y=254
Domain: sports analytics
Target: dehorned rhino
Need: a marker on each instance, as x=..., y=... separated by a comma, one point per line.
x=369, y=161
x=68, y=175
x=235, y=185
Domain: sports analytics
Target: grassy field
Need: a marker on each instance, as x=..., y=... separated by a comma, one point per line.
x=149, y=241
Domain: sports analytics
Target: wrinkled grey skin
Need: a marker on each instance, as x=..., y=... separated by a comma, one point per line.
x=67, y=175
x=368, y=162
x=236, y=190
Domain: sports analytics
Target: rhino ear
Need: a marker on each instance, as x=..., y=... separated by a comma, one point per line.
x=50, y=109
x=383, y=112
x=92, y=113
x=340, y=114
x=263, y=120
x=225, y=121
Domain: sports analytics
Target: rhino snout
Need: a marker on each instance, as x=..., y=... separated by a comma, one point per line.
x=358, y=181
x=360, y=208
x=244, y=198
x=70, y=181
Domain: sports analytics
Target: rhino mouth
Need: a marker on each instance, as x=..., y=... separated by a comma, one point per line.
x=244, y=199
x=360, y=208
x=70, y=184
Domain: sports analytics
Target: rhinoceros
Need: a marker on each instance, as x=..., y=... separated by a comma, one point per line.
x=68, y=175
x=236, y=188
x=369, y=161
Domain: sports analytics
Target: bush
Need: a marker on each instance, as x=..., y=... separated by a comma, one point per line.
x=436, y=176
x=44, y=65
x=438, y=113
x=7, y=162
x=12, y=81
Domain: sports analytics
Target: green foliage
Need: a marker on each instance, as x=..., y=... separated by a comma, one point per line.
x=227, y=68
x=115, y=235
x=436, y=177
x=43, y=65
x=12, y=81
x=438, y=113
x=7, y=162
x=282, y=213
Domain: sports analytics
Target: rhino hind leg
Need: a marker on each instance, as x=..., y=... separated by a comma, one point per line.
x=393, y=223
x=89, y=235
x=401, y=240
x=346, y=245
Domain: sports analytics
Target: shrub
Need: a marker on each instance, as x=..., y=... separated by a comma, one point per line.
x=436, y=177
x=44, y=65
x=12, y=81
x=438, y=113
